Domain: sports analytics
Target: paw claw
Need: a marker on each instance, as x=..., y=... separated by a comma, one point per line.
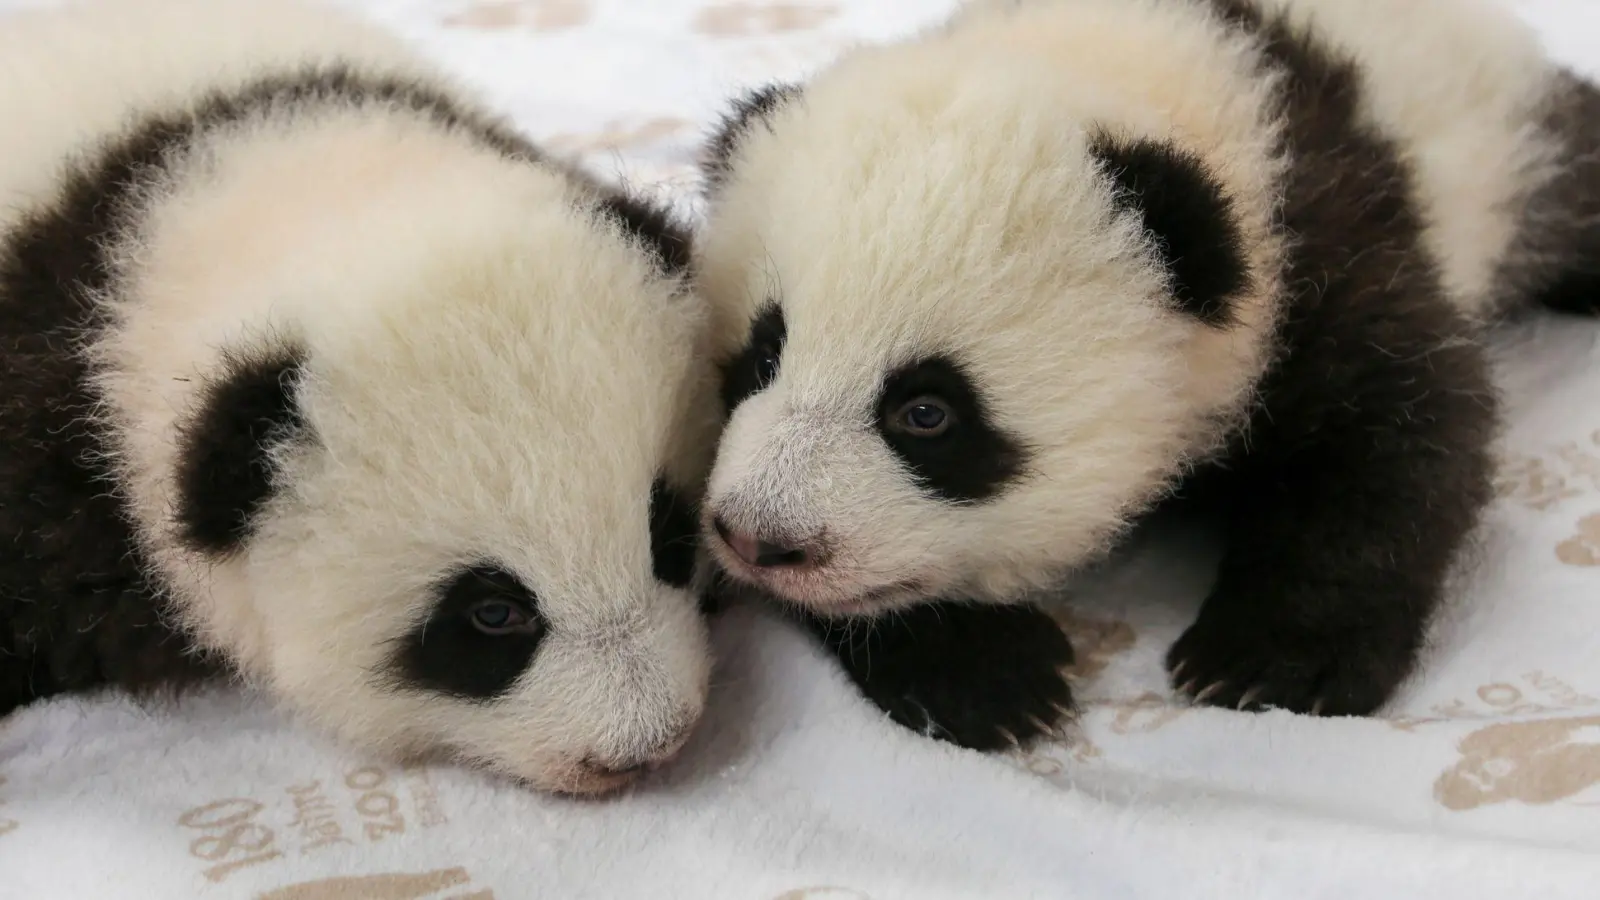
x=933, y=670
x=1010, y=738
x=1242, y=643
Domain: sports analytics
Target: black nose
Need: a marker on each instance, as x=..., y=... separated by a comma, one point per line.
x=756, y=552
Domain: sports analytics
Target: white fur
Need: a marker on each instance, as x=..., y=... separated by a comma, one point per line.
x=935, y=195
x=490, y=374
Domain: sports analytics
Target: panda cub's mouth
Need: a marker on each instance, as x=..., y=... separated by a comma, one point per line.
x=808, y=576
x=817, y=593
x=831, y=604
x=873, y=602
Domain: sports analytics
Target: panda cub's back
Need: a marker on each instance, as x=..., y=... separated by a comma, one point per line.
x=1464, y=92
x=63, y=86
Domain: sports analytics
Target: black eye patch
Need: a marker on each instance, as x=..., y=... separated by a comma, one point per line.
x=969, y=458
x=480, y=636
x=674, y=535
x=757, y=364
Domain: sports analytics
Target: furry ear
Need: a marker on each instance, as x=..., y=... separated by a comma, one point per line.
x=224, y=469
x=667, y=241
x=754, y=106
x=1188, y=216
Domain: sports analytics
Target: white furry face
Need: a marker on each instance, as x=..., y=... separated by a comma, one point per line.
x=964, y=345
x=461, y=559
x=435, y=458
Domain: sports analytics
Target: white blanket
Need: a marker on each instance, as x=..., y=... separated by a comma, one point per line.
x=1482, y=780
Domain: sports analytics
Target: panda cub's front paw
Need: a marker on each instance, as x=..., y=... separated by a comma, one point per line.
x=982, y=677
x=1238, y=655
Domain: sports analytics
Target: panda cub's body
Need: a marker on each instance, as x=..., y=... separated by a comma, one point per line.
x=988, y=295
x=317, y=375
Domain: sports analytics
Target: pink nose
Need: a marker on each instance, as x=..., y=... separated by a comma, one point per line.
x=757, y=552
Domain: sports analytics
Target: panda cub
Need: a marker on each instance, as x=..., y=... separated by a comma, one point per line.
x=986, y=296
x=318, y=376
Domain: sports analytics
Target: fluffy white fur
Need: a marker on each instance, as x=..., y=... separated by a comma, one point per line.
x=936, y=195
x=490, y=373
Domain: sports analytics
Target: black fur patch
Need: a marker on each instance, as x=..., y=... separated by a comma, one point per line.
x=224, y=472
x=1576, y=289
x=1367, y=463
x=754, y=106
x=1557, y=257
x=1187, y=214
x=76, y=609
x=757, y=364
x=667, y=241
x=674, y=535
x=973, y=460
x=975, y=675
x=446, y=653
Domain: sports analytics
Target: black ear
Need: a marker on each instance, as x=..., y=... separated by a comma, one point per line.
x=224, y=472
x=753, y=107
x=1189, y=217
x=667, y=240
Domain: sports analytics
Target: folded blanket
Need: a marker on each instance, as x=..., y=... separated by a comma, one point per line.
x=1482, y=779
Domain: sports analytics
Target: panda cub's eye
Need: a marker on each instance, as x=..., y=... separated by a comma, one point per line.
x=766, y=365
x=493, y=602
x=499, y=617
x=924, y=417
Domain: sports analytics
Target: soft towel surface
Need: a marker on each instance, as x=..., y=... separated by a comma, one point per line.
x=1482, y=780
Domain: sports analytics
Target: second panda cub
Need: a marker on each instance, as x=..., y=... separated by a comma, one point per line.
x=988, y=295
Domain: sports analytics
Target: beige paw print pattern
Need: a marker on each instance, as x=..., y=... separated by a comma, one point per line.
x=1537, y=762
x=729, y=20
x=1095, y=641
x=1544, y=480
x=435, y=885
x=1540, y=694
x=1145, y=713
x=1583, y=548
x=621, y=135
x=533, y=15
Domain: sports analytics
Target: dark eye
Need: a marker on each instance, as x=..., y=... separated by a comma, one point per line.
x=755, y=367
x=481, y=635
x=766, y=365
x=499, y=617
x=924, y=417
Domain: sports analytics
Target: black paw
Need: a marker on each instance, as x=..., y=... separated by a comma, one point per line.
x=982, y=677
x=1242, y=659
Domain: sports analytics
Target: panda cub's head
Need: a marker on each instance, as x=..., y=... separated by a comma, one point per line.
x=440, y=496
x=974, y=315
